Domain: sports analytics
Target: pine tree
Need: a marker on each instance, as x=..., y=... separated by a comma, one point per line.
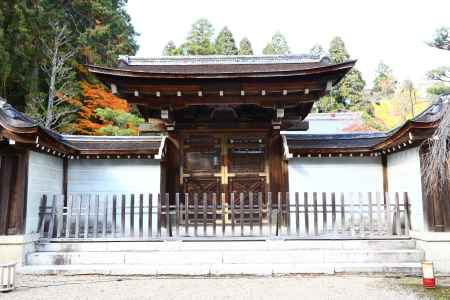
x=199, y=40
x=225, y=43
x=277, y=45
x=441, y=39
x=245, y=47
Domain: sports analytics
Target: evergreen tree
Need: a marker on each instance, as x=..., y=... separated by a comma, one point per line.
x=441, y=75
x=277, y=45
x=384, y=83
x=338, y=52
x=245, y=47
x=199, y=40
x=317, y=50
x=19, y=56
x=99, y=30
x=171, y=49
x=441, y=39
x=225, y=44
x=349, y=91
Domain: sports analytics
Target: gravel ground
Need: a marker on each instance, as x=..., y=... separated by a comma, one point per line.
x=289, y=287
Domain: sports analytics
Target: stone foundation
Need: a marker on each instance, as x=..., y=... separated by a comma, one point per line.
x=436, y=246
x=14, y=248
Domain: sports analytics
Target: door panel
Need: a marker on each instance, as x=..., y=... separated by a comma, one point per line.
x=200, y=185
x=224, y=163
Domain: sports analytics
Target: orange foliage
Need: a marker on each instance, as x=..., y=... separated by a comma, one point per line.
x=95, y=96
x=357, y=127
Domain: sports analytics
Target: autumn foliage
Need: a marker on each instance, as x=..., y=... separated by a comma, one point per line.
x=96, y=97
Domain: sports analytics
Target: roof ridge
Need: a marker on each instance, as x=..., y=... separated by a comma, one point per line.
x=223, y=59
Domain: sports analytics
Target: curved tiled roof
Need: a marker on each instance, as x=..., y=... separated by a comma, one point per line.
x=217, y=66
x=15, y=125
x=409, y=134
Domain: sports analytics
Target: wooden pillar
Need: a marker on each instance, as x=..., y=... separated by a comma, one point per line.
x=171, y=164
x=13, y=190
x=277, y=173
x=65, y=179
x=385, y=176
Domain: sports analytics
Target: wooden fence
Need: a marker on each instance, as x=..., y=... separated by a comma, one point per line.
x=224, y=216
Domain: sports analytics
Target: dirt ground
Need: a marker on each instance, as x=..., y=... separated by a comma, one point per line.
x=289, y=287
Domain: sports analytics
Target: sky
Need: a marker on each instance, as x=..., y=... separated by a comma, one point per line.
x=392, y=31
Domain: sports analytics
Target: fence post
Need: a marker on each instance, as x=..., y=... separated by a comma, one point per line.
x=141, y=215
x=251, y=207
x=333, y=212
x=186, y=217
x=297, y=215
x=224, y=211
x=177, y=214
x=159, y=216
x=150, y=215
x=232, y=214
x=397, y=214
x=168, y=223
x=86, y=216
x=316, y=221
x=370, y=212
x=195, y=214
x=269, y=206
x=205, y=213
x=342, y=212
x=324, y=212
x=406, y=212
x=260, y=214
x=288, y=214
x=42, y=215
x=52, y=218
x=214, y=213
x=306, y=205
x=241, y=215
x=387, y=213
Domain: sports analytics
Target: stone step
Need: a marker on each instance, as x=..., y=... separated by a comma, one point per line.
x=94, y=246
x=225, y=269
x=215, y=257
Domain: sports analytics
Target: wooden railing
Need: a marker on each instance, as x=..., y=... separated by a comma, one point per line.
x=221, y=216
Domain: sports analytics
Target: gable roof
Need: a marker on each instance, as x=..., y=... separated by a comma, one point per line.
x=411, y=133
x=27, y=132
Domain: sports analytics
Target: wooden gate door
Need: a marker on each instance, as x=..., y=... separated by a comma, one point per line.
x=224, y=163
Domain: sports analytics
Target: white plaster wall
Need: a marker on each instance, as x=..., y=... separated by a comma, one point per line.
x=45, y=176
x=353, y=176
x=109, y=176
x=106, y=178
x=335, y=174
x=404, y=175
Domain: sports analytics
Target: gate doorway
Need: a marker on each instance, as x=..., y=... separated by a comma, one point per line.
x=224, y=163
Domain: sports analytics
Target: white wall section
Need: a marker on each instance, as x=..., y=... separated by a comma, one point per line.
x=45, y=176
x=335, y=174
x=404, y=175
x=120, y=175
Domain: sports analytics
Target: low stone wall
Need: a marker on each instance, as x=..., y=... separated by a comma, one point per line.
x=436, y=246
x=14, y=248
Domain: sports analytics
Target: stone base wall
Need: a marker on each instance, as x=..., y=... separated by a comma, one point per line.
x=436, y=246
x=14, y=248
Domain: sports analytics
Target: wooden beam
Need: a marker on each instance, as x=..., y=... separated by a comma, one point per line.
x=187, y=100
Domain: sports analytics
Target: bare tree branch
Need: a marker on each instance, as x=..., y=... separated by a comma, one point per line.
x=436, y=160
